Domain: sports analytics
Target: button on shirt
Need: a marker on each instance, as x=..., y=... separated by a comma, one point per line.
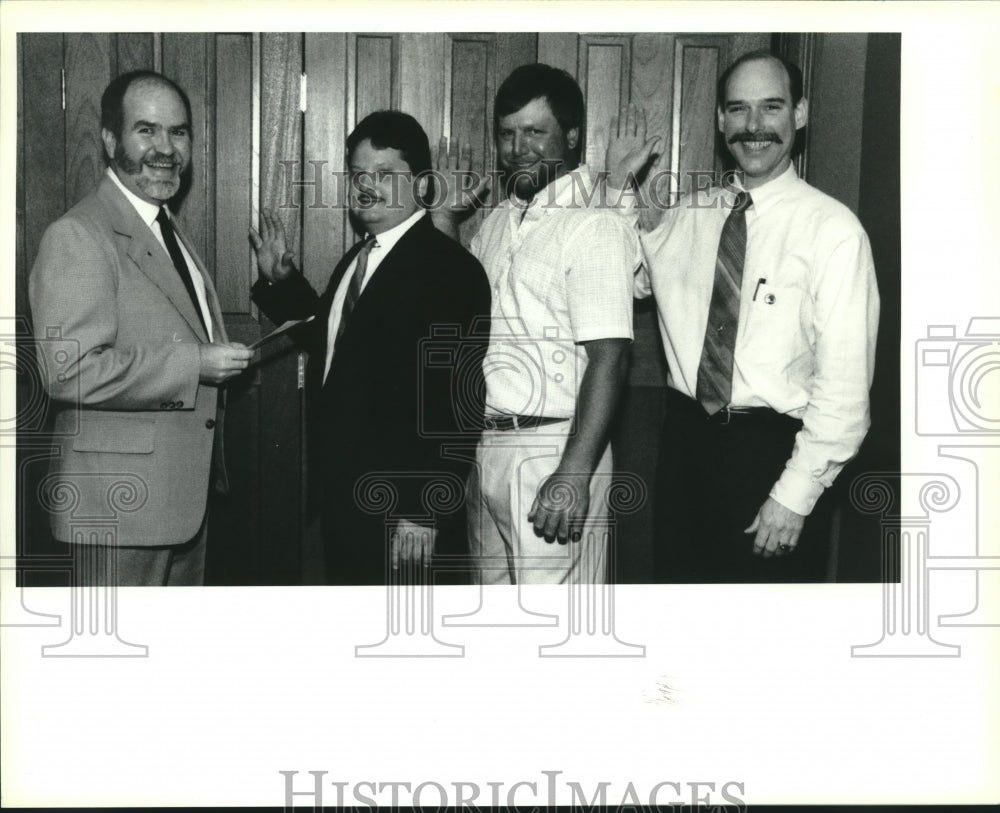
x=560, y=275
x=808, y=320
x=148, y=212
x=384, y=243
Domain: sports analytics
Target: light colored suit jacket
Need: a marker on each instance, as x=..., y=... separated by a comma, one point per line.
x=118, y=338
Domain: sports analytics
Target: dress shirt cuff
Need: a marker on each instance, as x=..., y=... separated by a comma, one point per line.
x=797, y=492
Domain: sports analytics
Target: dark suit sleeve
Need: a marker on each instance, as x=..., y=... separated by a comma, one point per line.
x=447, y=379
x=293, y=298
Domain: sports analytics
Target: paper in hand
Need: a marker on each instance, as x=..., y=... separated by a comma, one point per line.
x=278, y=331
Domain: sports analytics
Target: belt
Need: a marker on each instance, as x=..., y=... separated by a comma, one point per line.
x=504, y=423
x=729, y=414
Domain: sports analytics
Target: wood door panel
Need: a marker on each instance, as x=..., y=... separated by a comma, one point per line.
x=512, y=51
x=422, y=94
x=134, y=52
x=652, y=90
x=470, y=108
x=280, y=122
x=88, y=67
x=234, y=268
x=42, y=147
x=279, y=462
x=188, y=59
x=324, y=215
x=560, y=51
x=472, y=87
x=374, y=66
x=604, y=76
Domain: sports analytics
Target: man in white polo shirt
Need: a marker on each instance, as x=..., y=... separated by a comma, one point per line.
x=561, y=274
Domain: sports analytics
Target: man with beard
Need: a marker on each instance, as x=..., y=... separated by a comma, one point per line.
x=768, y=309
x=116, y=280
x=561, y=270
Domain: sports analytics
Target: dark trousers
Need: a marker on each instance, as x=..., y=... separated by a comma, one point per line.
x=356, y=548
x=712, y=479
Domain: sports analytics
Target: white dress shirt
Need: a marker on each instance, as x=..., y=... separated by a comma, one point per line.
x=809, y=308
x=147, y=213
x=384, y=243
x=560, y=275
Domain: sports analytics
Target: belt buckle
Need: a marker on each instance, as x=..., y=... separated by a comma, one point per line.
x=728, y=415
x=490, y=423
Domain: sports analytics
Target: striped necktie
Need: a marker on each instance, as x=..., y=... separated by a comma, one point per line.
x=354, y=289
x=715, y=371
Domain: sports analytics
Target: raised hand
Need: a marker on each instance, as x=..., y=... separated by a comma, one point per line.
x=629, y=150
x=462, y=190
x=274, y=260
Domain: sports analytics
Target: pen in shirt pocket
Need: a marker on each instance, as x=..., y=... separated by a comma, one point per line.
x=769, y=299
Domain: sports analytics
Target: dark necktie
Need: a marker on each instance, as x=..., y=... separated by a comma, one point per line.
x=174, y=250
x=354, y=289
x=715, y=371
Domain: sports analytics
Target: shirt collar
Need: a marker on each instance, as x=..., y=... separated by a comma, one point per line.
x=387, y=239
x=557, y=195
x=769, y=193
x=147, y=211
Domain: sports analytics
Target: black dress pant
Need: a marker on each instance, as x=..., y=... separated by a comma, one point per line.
x=356, y=548
x=713, y=477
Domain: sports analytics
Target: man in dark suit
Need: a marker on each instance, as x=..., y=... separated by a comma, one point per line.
x=147, y=351
x=382, y=411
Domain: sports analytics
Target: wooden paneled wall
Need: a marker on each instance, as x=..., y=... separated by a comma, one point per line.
x=252, y=137
x=271, y=113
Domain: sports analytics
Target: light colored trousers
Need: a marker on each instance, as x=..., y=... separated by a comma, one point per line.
x=502, y=487
x=140, y=566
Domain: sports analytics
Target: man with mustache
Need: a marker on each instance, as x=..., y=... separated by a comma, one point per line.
x=561, y=270
x=383, y=408
x=136, y=396
x=768, y=310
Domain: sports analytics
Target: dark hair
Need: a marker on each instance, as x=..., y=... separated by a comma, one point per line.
x=395, y=130
x=112, y=112
x=540, y=81
x=793, y=71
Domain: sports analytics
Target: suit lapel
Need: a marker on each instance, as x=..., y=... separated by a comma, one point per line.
x=326, y=302
x=149, y=256
x=210, y=295
x=338, y=273
x=397, y=261
x=393, y=264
